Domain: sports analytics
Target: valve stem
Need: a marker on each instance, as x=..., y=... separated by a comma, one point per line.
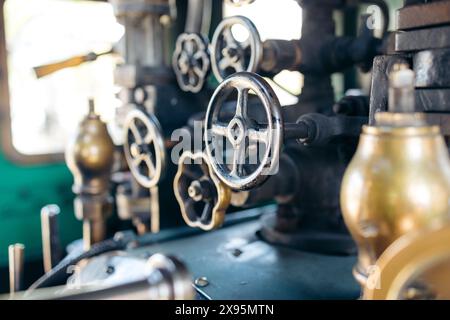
x=401, y=89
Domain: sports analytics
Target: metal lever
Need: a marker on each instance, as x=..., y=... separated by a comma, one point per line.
x=51, y=246
x=47, y=69
x=16, y=266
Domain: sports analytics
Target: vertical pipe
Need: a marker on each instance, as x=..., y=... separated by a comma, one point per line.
x=94, y=230
x=16, y=265
x=51, y=247
x=154, y=210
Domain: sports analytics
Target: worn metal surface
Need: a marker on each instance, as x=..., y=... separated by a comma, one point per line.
x=238, y=265
x=423, y=15
x=382, y=66
x=433, y=100
x=432, y=68
x=423, y=39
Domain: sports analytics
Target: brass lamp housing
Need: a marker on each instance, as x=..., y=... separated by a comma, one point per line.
x=397, y=182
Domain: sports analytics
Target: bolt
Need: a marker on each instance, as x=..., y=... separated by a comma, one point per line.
x=237, y=252
x=110, y=269
x=201, y=282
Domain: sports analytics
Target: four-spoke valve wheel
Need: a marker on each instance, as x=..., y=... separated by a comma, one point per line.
x=229, y=54
x=251, y=150
x=144, y=148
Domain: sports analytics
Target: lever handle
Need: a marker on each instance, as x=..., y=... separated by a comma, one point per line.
x=47, y=69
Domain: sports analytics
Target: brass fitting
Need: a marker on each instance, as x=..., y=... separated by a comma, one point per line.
x=90, y=158
x=202, y=197
x=397, y=182
x=414, y=267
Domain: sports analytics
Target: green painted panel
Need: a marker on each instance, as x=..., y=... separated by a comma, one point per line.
x=24, y=190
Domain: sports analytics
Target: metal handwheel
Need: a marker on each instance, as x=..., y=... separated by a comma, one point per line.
x=202, y=197
x=144, y=148
x=191, y=62
x=252, y=149
x=228, y=55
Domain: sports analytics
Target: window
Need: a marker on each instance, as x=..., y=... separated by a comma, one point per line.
x=271, y=22
x=45, y=111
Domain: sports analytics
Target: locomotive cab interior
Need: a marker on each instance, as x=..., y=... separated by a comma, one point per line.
x=225, y=150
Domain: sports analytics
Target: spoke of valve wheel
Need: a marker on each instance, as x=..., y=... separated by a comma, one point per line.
x=192, y=77
x=206, y=211
x=135, y=132
x=148, y=138
x=228, y=36
x=189, y=46
x=198, y=72
x=224, y=63
x=247, y=43
x=199, y=55
x=238, y=66
x=183, y=56
x=241, y=106
x=150, y=166
x=219, y=129
x=137, y=161
x=258, y=135
x=238, y=161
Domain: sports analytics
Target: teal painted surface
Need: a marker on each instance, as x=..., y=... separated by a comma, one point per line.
x=24, y=190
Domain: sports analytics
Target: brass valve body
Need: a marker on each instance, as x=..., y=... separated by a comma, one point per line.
x=398, y=182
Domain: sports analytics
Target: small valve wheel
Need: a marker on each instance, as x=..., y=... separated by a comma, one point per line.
x=144, y=148
x=191, y=62
x=229, y=55
x=255, y=147
x=202, y=197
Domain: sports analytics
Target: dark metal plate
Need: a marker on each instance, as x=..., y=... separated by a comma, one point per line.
x=424, y=15
x=424, y=39
x=238, y=265
x=440, y=119
x=437, y=100
x=432, y=68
